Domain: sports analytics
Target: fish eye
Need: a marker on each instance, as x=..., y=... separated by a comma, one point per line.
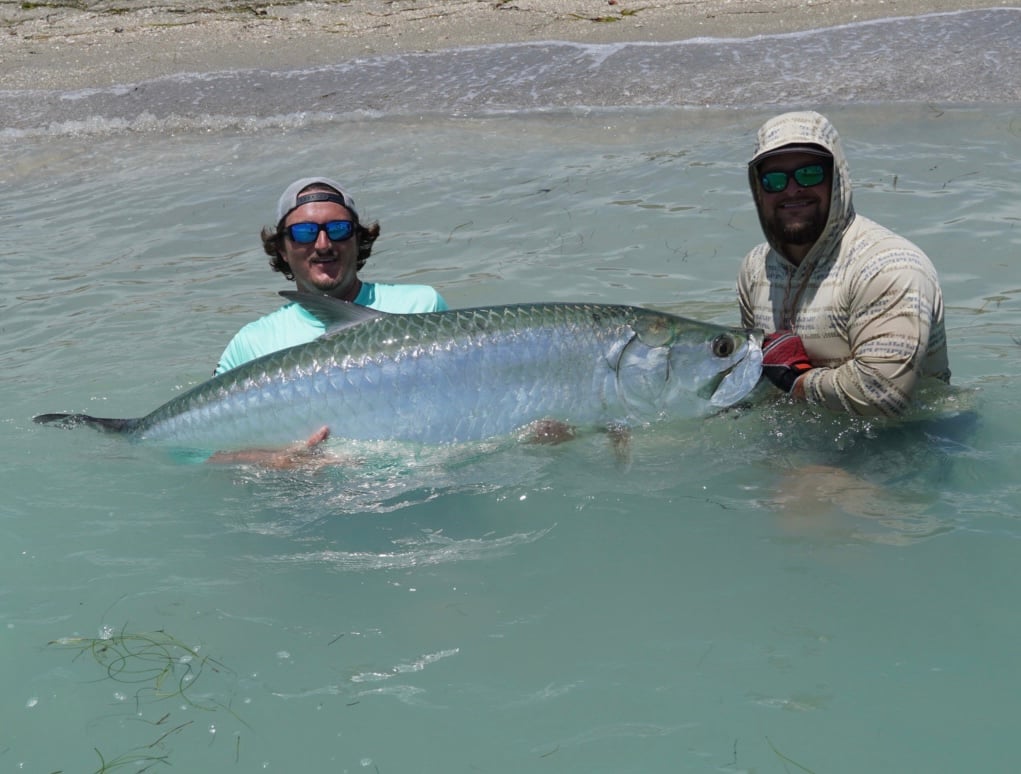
x=724, y=345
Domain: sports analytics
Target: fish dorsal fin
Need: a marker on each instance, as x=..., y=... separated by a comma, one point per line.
x=335, y=314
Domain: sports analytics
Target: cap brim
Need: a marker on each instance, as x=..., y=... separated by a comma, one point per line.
x=814, y=150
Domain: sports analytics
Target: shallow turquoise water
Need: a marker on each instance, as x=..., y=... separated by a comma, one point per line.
x=769, y=590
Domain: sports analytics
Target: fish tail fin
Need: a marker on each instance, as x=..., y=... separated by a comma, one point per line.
x=99, y=423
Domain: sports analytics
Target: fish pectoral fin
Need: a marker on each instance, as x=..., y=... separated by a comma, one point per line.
x=619, y=434
x=335, y=314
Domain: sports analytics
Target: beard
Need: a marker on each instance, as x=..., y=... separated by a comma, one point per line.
x=800, y=233
x=335, y=279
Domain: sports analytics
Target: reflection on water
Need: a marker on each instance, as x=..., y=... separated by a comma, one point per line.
x=815, y=501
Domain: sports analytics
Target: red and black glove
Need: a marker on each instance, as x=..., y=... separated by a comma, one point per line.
x=784, y=359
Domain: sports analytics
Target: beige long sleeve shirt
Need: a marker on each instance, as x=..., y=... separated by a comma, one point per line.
x=866, y=302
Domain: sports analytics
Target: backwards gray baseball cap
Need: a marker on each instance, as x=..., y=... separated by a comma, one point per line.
x=292, y=198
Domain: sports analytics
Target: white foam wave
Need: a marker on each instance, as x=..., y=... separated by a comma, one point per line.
x=966, y=57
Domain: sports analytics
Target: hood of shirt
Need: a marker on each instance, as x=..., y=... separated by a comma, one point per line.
x=807, y=128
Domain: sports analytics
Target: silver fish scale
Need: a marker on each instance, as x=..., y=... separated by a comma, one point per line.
x=432, y=378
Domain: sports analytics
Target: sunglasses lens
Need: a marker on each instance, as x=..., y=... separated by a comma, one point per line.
x=304, y=233
x=339, y=230
x=774, y=182
x=809, y=176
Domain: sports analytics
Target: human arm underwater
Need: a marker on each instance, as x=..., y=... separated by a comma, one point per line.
x=308, y=453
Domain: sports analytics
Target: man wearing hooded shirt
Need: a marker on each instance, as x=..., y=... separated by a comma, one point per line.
x=853, y=312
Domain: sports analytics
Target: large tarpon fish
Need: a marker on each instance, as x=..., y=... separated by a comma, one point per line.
x=458, y=375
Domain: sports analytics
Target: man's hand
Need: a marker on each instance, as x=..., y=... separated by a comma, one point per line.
x=784, y=359
x=300, y=455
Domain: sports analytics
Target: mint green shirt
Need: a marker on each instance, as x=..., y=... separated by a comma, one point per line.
x=291, y=324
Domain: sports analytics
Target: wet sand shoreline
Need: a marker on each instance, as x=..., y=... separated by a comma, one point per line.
x=65, y=47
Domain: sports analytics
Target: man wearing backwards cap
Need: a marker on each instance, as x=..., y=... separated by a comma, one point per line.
x=853, y=312
x=320, y=244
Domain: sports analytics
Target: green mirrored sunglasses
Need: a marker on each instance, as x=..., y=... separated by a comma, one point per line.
x=806, y=177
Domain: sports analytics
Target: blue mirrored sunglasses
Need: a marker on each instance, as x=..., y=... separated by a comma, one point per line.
x=307, y=233
x=806, y=177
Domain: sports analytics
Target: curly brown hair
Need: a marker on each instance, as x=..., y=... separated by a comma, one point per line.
x=272, y=243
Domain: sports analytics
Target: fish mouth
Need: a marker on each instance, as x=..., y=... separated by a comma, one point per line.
x=742, y=377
